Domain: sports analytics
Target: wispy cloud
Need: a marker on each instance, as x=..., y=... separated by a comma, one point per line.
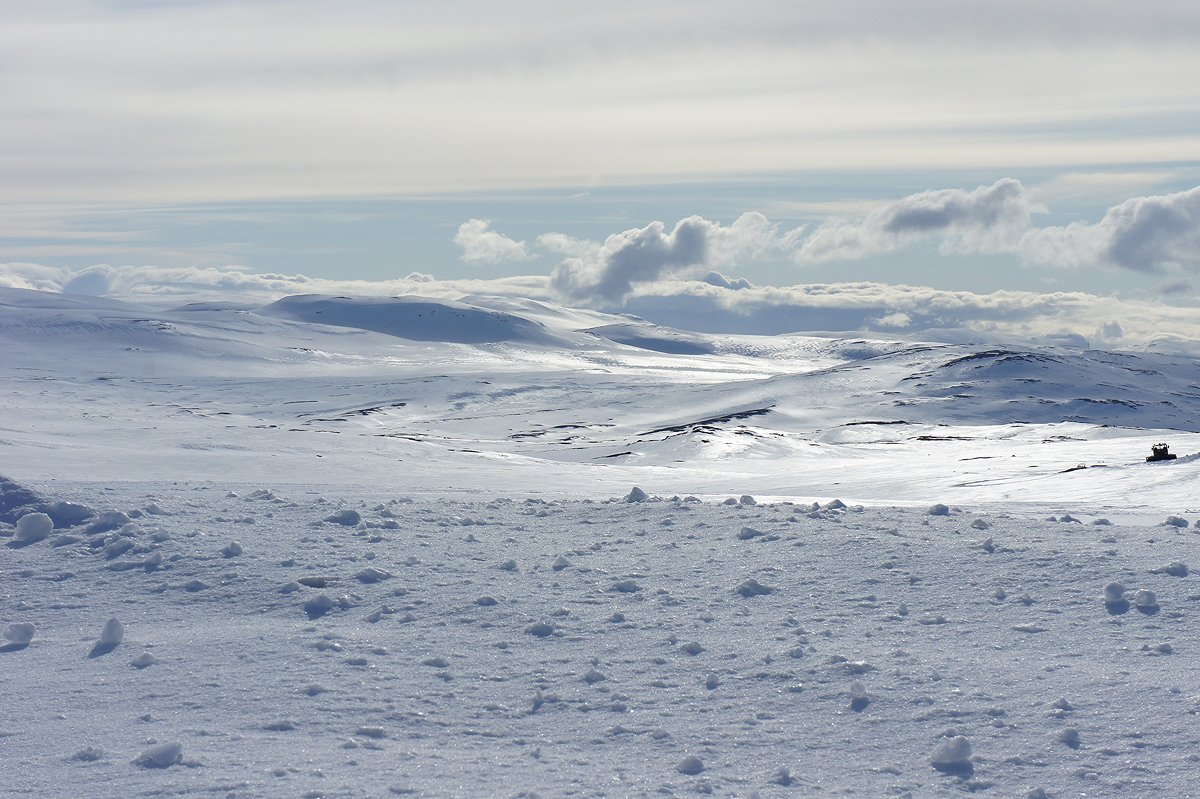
x=161, y=102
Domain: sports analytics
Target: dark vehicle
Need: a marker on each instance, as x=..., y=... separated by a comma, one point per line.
x=1160, y=453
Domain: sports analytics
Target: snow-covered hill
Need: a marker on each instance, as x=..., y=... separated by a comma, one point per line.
x=501, y=393
x=339, y=547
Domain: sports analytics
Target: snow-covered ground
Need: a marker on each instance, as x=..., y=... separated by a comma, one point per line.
x=371, y=548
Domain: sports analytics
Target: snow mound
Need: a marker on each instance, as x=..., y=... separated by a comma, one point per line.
x=16, y=500
x=414, y=318
x=20, y=633
x=110, y=637
x=34, y=527
x=952, y=755
x=160, y=756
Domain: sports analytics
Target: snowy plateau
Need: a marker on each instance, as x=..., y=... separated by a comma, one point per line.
x=349, y=547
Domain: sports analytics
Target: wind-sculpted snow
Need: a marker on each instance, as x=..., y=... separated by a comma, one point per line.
x=637, y=647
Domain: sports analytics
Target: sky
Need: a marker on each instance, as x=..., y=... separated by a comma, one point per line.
x=628, y=156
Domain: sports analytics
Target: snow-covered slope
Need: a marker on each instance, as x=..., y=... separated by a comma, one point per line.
x=578, y=402
x=335, y=547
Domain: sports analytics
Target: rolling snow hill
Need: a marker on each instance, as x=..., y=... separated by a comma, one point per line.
x=338, y=547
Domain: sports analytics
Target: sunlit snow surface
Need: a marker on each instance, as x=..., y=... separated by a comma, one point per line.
x=493, y=619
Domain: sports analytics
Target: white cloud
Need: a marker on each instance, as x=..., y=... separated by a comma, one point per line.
x=988, y=219
x=611, y=270
x=914, y=311
x=1154, y=234
x=715, y=278
x=482, y=245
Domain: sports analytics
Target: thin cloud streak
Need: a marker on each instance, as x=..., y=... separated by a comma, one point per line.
x=223, y=101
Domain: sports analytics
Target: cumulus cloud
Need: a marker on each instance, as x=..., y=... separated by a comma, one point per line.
x=482, y=245
x=637, y=256
x=988, y=219
x=1153, y=234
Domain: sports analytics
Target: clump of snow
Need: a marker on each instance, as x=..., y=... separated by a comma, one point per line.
x=690, y=765
x=1145, y=599
x=160, y=756
x=68, y=514
x=981, y=524
x=1174, y=569
x=939, y=510
x=746, y=533
x=375, y=733
x=318, y=606
x=636, y=495
x=541, y=629
x=372, y=574
x=117, y=547
x=859, y=699
x=1114, y=592
x=347, y=517
x=1070, y=737
x=20, y=633
x=952, y=754
x=559, y=563
x=752, y=587
x=232, y=549
x=112, y=633
x=33, y=527
x=143, y=660
x=1174, y=521
x=108, y=520
x=747, y=500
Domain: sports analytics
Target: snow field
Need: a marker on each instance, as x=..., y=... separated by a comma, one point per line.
x=586, y=648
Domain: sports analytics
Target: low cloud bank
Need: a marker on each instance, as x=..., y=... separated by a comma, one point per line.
x=714, y=303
